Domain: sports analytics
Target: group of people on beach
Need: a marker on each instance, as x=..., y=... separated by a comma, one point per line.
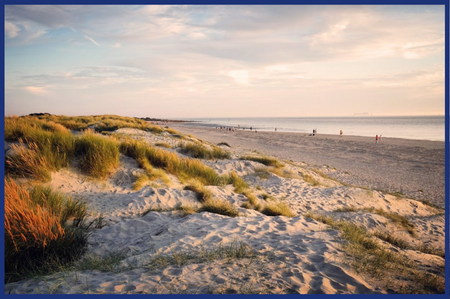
x=378, y=138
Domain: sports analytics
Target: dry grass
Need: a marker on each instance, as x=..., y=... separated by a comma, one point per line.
x=219, y=206
x=38, y=235
x=268, y=161
x=369, y=257
x=239, y=184
x=277, y=208
x=203, y=194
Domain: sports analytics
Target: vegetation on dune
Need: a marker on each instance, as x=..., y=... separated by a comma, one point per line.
x=369, y=256
x=43, y=230
x=98, y=155
x=203, y=194
x=200, y=151
x=219, y=206
x=183, y=168
x=268, y=161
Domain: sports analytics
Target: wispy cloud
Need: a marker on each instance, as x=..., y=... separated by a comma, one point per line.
x=92, y=40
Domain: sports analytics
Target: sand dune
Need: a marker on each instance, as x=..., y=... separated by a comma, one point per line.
x=152, y=248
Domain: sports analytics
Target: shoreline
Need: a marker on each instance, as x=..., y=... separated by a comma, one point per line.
x=197, y=124
x=414, y=168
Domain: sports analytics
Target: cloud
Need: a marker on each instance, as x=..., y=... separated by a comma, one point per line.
x=92, y=40
x=11, y=30
x=37, y=90
x=239, y=76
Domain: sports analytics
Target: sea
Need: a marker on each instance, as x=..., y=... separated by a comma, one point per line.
x=408, y=127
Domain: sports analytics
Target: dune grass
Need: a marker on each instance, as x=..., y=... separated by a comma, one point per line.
x=183, y=168
x=394, y=217
x=268, y=161
x=239, y=184
x=43, y=230
x=219, y=206
x=98, y=155
x=163, y=144
x=203, y=194
x=369, y=257
x=200, y=151
x=277, y=208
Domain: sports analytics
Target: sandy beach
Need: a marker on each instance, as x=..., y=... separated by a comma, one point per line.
x=146, y=246
x=415, y=168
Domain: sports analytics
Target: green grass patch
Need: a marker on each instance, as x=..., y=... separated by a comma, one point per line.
x=200, y=151
x=98, y=155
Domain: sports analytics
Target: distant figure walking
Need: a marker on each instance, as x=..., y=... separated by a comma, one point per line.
x=275, y=129
x=381, y=140
x=376, y=139
x=340, y=133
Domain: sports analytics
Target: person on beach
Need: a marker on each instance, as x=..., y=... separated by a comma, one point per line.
x=275, y=129
x=340, y=133
x=376, y=139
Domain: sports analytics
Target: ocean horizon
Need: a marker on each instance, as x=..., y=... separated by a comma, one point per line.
x=407, y=127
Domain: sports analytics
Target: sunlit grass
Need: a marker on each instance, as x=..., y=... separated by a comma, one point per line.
x=43, y=230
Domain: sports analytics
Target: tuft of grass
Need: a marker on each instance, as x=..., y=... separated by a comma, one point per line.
x=220, y=206
x=396, y=241
x=253, y=202
x=183, y=168
x=394, y=217
x=309, y=179
x=98, y=155
x=283, y=172
x=187, y=210
x=264, y=160
x=262, y=172
x=203, y=194
x=231, y=251
x=28, y=161
x=239, y=184
x=223, y=143
x=202, y=152
x=163, y=144
x=277, y=208
x=43, y=231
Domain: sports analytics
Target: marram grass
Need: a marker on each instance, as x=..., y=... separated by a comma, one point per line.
x=43, y=231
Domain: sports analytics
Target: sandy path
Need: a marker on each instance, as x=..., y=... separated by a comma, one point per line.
x=415, y=168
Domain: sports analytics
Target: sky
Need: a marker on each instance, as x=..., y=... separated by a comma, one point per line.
x=225, y=61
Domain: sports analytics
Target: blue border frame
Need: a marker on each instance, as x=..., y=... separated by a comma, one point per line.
x=255, y=2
